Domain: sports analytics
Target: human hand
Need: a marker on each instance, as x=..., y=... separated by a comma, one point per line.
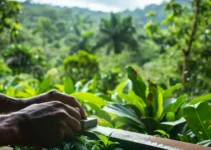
x=43, y=125
x=56, y=96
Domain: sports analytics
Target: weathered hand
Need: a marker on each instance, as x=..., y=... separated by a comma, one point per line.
x=42, y=125
x=57, y=96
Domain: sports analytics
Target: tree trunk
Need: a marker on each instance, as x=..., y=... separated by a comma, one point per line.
x=186, y=52
x=185, y=69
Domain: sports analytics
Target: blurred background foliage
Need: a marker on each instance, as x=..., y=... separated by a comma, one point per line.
x=85, y=53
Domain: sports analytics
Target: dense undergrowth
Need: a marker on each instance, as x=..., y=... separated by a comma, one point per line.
x=133, y=105
x=100, y=142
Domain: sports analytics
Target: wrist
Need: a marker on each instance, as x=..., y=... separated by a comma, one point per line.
x=9, y=104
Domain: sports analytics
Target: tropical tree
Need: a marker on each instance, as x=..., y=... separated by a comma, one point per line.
x=188, y=34
x=116, y=33
x=80, y=39
x=45, y=29
x=151, y=27
x=9, y=11
x=21, y=59
x=8, y=16
x=61, y=28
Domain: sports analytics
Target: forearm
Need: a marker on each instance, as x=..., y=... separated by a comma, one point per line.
x=7, y=131
x=8, y=104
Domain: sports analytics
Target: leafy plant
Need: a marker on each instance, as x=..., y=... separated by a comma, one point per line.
x=81, y=66
x=100, y=142
x=198, y=119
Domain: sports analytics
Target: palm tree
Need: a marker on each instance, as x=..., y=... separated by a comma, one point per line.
x=116, y=33
x=81, y=35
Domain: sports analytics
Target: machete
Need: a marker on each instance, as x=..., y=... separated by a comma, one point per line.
x=137, y=140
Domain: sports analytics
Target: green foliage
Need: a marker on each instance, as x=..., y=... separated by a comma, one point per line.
x=109, y=80
x=4, y=69
x=45, y=28
x=81, y=66
x=198, y=120
x=133, y=105
x=21, y=60
x=167, y=108
x=81, y=39
x=82, y=143
x=8, y=16
x=68, y=85
x=188, y=38
x=116, y=33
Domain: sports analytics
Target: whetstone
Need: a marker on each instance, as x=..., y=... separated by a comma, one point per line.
x=88, y=123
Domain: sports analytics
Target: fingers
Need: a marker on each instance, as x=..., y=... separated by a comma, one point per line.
x=73, y=124
x=68, y=132
x=73, y=112
x=71, y=115
x=62, y=108
x=68, y=100
x=72, y=121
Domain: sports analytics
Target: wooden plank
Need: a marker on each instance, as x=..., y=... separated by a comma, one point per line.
x=142, y=141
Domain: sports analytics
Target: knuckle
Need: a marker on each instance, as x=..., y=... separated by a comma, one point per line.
x=51, y=94
x=57, y=103
x=77, y=125
x=78, y=115
x=62, y=114
x=74, y=99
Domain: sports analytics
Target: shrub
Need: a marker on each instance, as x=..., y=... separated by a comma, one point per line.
x=81, y=65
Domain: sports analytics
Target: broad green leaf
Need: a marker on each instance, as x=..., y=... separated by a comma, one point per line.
x=173, y=104
x=201, y=99
x=95, y=147
x=168, y=92
x=25, y=90
x=103, y=122
x=157, y=100
x=175, y=123
x=162, y=133
x=123, y=111
x=60, y=87
x=91, y=98
x=93, y=85
x=90, y=85
x=23, y=94
x=170, y=116
x=44, y=85
x=139, y=86
x=122, y=121
x=99, y=112
x=68, y=85
x=30, y=91
x=131, y=98
x=104, y=139
x=199, y=119
x=10, y=92
x=119, y=88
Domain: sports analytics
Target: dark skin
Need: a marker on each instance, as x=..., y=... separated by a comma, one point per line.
x=41, y=121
